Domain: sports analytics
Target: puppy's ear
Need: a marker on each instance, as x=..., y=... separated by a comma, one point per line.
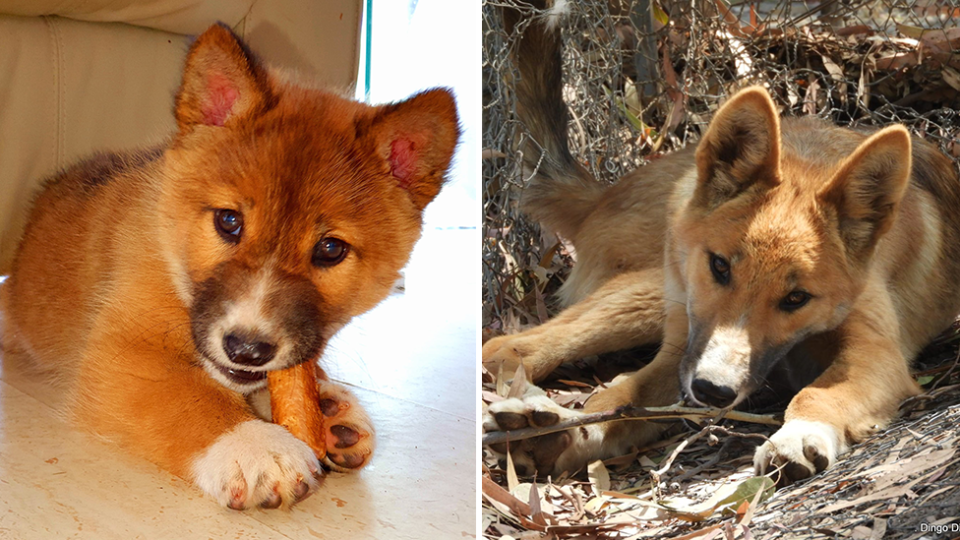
x=740, y=150
x=414, y=141
x=867, y=188
x=222, y=82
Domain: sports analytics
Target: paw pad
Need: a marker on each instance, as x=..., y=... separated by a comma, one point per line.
x=329, y=407
x=238, y=494
x=273, y=499
x=541, y=454
x=510, y=420
x=348, y=432
x=347, y=461
x=345, y=436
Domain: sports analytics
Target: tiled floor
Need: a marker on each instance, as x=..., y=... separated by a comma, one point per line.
x=413, y=362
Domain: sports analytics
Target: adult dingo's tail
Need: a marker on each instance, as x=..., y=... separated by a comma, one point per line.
x=561, y=192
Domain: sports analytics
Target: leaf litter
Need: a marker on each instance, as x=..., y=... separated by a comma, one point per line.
x=886, y=487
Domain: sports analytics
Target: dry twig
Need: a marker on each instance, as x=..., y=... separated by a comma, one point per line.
x=629, y=413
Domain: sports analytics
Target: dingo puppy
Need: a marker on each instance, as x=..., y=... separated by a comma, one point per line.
x=161, y=286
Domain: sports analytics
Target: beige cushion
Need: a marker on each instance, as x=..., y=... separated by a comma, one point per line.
x=70, y=87
x=318, y=38
x=179, y=16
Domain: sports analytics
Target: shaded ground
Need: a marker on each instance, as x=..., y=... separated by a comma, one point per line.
x=899, y=484
x=902, y=483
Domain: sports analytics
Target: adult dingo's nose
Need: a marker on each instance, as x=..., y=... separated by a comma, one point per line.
x=248, y=352
x=708, y=393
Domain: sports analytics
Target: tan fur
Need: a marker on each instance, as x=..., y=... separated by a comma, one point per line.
x=120, y=250
x=866, y=224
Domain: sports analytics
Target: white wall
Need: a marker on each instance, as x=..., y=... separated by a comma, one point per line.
x=419, y=44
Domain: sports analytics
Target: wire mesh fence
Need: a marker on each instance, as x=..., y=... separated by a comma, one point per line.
x=643, y=77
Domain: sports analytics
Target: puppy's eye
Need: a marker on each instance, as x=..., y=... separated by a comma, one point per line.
x=329, y=251
x=720, y=268
x=229, y=223
x=795, y=300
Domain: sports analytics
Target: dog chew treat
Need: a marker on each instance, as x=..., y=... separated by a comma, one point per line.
x=295, y=404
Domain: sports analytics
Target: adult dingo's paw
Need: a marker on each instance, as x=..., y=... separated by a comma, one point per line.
x=548, y=454
x=506, y=351
x=799, y=449
x=257, y=464
x=347, y=429
x=529, y=348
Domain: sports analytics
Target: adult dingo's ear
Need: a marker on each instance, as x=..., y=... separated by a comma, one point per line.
x=740, y=150
x=222, y=82
x=868, y=187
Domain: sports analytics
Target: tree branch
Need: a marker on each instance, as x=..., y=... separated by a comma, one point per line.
x=629, y=413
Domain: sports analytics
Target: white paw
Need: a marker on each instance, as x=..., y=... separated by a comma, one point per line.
x=553, y=453
x=800, y=449
x=347, y=429
x=257, y=464
x=534, y=408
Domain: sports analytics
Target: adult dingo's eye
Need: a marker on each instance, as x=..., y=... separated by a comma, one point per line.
x=329, y=251
x=795, y=300
x=229, y=223
x=720, y=268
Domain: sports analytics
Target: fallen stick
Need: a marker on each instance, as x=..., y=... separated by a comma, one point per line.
x=629, y=413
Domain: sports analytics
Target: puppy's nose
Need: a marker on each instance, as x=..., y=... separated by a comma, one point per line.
x=248, y=352
x=706, y=392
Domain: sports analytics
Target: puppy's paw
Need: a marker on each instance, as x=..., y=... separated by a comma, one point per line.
x=548, y=454
x=800, y=449
x=347, y=429
x=257, y=464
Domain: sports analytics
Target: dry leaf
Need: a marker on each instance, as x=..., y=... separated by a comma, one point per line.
x=832, y=68
x=520, y=384
x=599, y=477
x=725, y=499
x=501, y=380
x=495, y=493
x=536, y=514
x=951, y=77
x=490, y=397
x=578, y=384
x=512, y=481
